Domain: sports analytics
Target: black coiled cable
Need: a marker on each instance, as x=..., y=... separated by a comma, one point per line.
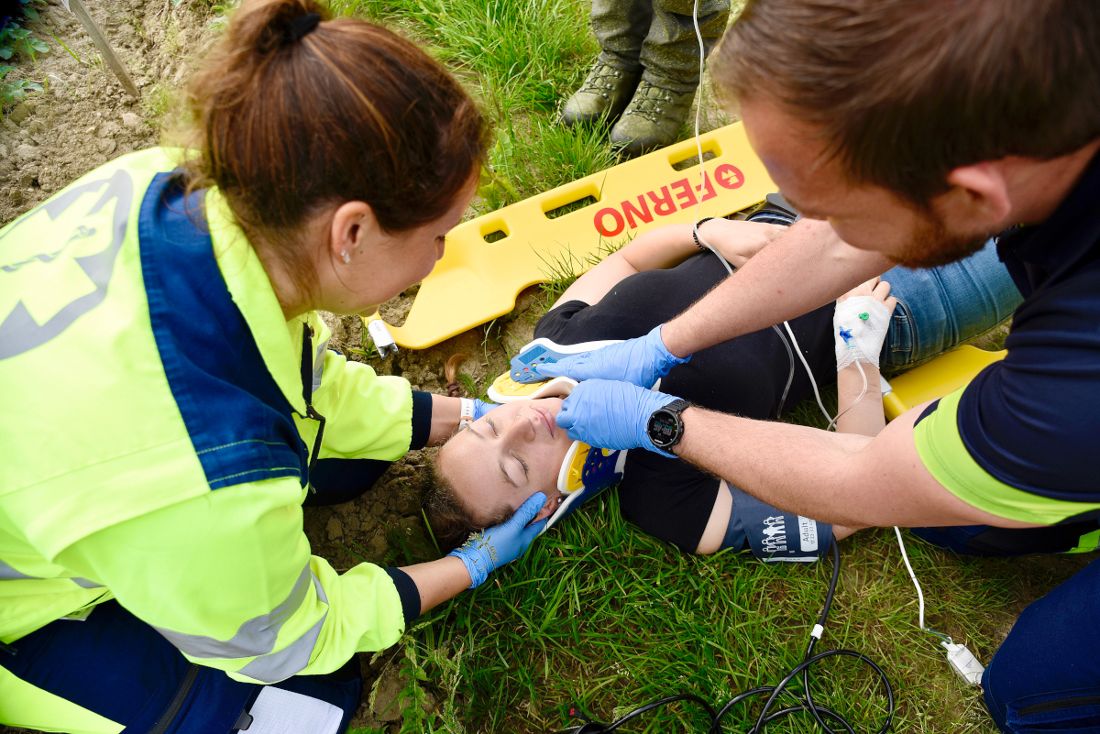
x=800, y=704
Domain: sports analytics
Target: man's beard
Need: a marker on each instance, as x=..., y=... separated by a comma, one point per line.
x=932, y=245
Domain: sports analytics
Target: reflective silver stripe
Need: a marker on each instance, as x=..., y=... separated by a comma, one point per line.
x=277, y=666
x=7, y=573
x=255, y=637
x=281, y=665
x=86, y=584
x=319, y=364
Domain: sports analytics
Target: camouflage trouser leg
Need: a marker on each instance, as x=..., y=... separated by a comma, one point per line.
x=670, y=52
x=621, y=27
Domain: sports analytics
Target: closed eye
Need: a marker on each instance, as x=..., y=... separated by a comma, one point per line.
x=506, y=477
x=526, y=473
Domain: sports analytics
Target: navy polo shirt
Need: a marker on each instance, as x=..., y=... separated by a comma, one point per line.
x=1022, y=440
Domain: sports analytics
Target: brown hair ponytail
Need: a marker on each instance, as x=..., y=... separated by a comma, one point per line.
x=295, y=112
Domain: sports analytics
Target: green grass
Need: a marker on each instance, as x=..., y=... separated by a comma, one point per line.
x=19, y=44
x=520, y=59
x=529, y=52
x=600, y=615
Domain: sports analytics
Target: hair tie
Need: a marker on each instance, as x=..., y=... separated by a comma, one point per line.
x=302, y=25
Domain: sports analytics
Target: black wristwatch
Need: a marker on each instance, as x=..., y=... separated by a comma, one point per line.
x=666, y=426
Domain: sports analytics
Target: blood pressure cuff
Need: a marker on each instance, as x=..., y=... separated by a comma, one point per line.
x=773, y=535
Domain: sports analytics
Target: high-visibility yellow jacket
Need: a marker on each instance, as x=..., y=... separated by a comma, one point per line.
x=155, y=437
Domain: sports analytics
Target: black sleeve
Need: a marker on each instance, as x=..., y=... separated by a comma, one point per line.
x=634, y=305
x=668, y=498
x=421, y=419
x=557, y=323
x=406, y=589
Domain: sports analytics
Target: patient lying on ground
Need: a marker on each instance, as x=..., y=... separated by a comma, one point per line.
x=486, y=471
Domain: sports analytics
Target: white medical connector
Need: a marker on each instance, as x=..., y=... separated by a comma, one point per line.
x=963, y=662
x=380, y=335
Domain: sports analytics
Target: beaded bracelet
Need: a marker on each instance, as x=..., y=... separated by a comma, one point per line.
x=695, y=233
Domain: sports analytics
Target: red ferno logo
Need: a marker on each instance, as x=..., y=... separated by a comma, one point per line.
x=669, y=199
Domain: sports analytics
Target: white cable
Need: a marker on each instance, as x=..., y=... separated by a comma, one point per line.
x=913, y=577
x=702, y=187
x=809, y=372
x=798, y=350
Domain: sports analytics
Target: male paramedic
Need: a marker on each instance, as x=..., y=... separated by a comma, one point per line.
x=909, y=133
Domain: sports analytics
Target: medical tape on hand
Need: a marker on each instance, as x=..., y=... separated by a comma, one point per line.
x=860, y=324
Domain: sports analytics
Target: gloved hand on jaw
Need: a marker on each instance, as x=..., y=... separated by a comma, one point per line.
x=612, y=414
x=638, y=361
x=487, y=550
x=860, y=325
x=482, y=407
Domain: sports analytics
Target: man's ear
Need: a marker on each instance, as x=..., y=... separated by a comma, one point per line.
x=354, y=228
x=979, y=195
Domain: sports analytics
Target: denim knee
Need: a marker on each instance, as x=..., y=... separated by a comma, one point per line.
x=940, y=307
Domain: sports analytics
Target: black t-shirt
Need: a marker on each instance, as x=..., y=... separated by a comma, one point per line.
x=746, y=376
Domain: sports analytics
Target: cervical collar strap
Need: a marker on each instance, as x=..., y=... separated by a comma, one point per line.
x=773, y=535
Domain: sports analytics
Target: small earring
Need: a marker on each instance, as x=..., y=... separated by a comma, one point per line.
x=345, y=257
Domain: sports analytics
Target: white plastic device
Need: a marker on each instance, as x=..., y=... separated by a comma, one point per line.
x=381, y=336
x=963, y=662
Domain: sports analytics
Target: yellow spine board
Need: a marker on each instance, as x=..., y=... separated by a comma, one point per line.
x=936, y=378
x=490, y=259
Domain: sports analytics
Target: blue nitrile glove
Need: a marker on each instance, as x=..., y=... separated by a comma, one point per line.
x=639, y=361
x=488, y=550
x=481, y=408
x=612, y=414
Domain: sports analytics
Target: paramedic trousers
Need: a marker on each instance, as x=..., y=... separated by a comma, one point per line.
x=1045, y=677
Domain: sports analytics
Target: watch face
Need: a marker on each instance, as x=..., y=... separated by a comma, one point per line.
x=664, y=428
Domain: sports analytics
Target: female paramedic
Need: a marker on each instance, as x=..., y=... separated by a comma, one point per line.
x=170, y=402
x=519, y=448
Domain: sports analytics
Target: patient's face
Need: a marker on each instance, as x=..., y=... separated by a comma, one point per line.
x=503, y=458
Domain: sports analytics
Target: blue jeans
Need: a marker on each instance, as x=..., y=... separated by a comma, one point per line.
x=940, y=307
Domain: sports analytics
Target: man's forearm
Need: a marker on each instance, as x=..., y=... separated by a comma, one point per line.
x=802, y=269
x=844, y=479
x=786, y=465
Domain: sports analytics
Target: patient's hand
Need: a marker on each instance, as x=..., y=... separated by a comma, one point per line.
x=738, y=241
x=861, y=321
x=877, y=288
